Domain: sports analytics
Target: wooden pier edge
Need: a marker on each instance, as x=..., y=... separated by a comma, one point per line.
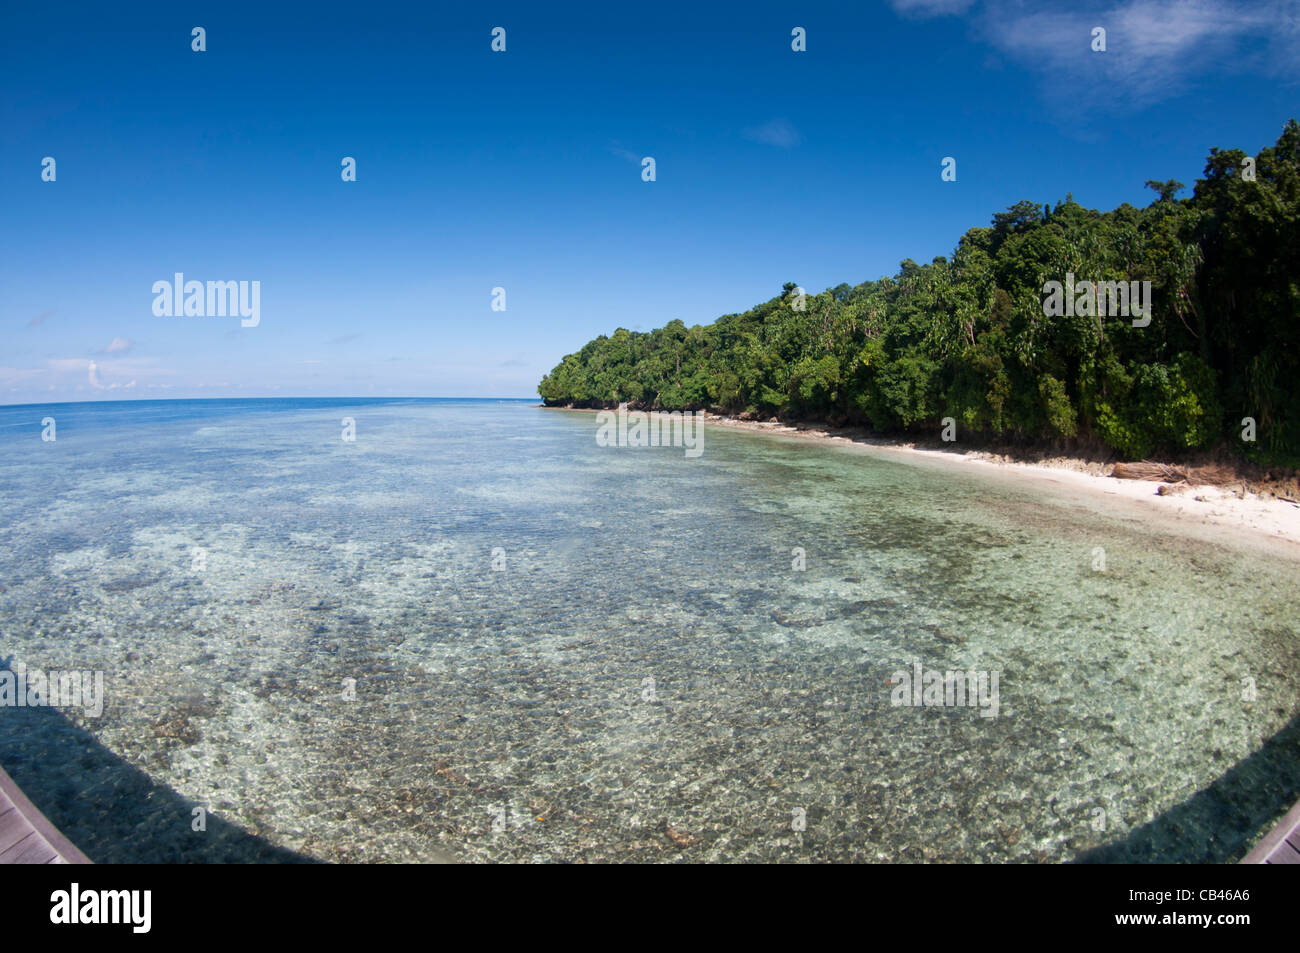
x=26, y=835
x=1281, y=845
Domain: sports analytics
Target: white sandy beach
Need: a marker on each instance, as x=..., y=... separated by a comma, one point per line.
x=1202, y=510
x=1248, y=515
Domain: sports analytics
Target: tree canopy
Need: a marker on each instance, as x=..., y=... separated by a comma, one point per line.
x=966, y=337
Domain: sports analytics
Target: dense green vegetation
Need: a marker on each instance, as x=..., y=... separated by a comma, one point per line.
x=967, y=337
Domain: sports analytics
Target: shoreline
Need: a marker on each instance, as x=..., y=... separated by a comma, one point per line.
x=1245, y=513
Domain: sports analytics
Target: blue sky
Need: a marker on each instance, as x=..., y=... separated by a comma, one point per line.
x=522, y=169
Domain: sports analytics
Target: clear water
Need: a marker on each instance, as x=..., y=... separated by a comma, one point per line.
x=518, y=699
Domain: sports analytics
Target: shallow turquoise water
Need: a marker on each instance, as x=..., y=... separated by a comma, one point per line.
x=518, y=699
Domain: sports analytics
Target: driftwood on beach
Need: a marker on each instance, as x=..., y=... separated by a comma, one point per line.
x=1148, y=470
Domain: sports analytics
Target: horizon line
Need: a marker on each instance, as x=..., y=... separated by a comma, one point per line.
x=142, y=400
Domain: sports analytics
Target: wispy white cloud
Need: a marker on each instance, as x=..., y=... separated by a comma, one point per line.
x=99, y=375
x=18, y=375
x=775, y=132
x=64, y=365
x=930, y=8
x=628, y=155
x=115, y=346
x=1155, y=49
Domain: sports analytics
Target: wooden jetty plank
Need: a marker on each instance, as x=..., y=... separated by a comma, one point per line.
x=32, y=849
x=26, y=835
x=1286, y=854
x=1281, y=845
x=13, y=828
